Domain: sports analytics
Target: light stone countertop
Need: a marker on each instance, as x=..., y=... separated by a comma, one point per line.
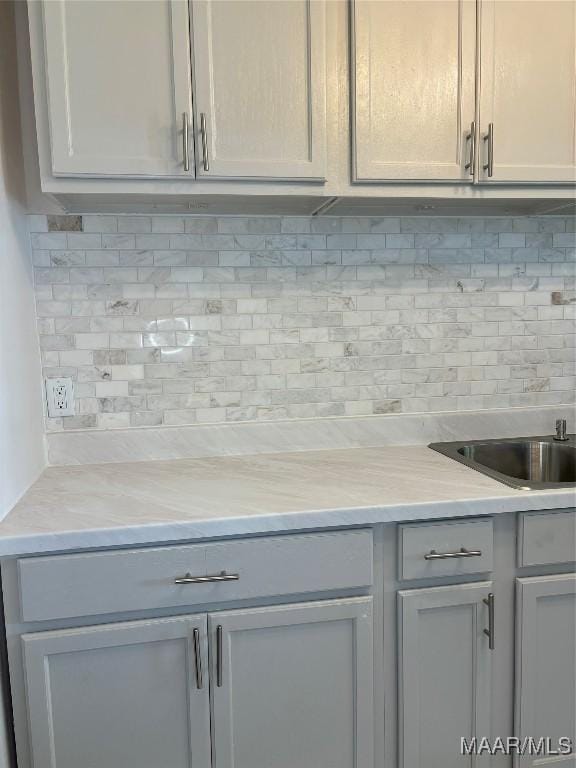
x=139, y=503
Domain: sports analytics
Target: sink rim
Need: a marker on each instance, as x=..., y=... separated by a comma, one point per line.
x=451, y=450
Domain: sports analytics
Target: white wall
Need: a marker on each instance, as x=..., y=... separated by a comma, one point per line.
x=21, y=434
x=22, y=453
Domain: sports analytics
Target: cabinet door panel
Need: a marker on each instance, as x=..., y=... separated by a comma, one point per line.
x=118, y=82
x=546, y=665
x=118, y=696
x=297, y=686
x=528, y=89
x=444, y=674
x=413, y=88
x=259, y=73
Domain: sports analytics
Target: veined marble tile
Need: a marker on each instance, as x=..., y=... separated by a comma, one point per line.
x=273, y=288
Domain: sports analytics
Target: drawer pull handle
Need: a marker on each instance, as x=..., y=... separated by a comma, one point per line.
x=204, y=136
x=219, y=656
x=489, y=139
x=433, y=555
x=489, y=601
x=189, y=579
x=471, y=137
x=197, y=658
x=185, y=141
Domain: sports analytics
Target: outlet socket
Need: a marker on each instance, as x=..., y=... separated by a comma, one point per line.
x=60, y=397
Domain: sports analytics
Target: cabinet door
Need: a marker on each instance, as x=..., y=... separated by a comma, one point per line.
x=528, y=90
x=412, y=89
x=260, y=88
x=296, y=686
x=546, y=665
x=118, y=85
x=119, y=695
x=444, y=674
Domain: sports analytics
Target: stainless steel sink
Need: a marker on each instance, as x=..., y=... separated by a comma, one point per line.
x=528, y=463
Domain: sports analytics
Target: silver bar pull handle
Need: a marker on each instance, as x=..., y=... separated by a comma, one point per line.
x=189, y=579
x=197, y=659
x=219, y=656
x=185, y=139
x=489, y=601
x=463, y=552
x=471, y=137
x=489, y=138
x=204, y=136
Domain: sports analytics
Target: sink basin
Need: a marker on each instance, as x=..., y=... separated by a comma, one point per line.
x=529, y=463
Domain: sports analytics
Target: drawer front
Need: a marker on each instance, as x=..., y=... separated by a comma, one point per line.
x=546, y=537
x=428, y=550
x=88, y=584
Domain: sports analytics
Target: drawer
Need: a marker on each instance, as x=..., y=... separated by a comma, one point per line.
x=546, y=537
x=427, y=550
x=87, y=584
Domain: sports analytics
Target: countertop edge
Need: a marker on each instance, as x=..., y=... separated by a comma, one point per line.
x=280, y=522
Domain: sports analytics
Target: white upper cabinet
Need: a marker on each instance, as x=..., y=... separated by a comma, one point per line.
x=170, y=97
x=528, y=91
x=413, y=75
x=260, y=88
x=118, y=84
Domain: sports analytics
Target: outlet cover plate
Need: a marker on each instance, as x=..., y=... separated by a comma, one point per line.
x=60, y=397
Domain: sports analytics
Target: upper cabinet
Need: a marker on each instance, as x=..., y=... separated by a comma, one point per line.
x=119, y=91
x=528, y=91
x=117, y=82
x=413, y=81
x=416, y=68
x=468, y=99
x=260, y=88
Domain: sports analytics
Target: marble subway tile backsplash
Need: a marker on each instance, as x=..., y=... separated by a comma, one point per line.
x=170, y=320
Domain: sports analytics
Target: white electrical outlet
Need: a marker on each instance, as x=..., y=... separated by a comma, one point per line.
x=60, y=397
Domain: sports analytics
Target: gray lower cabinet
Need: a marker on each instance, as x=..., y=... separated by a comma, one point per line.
x=295, y=686
x=546, y=665
x=444, y=674
x=118, y=696
x=287, y=686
